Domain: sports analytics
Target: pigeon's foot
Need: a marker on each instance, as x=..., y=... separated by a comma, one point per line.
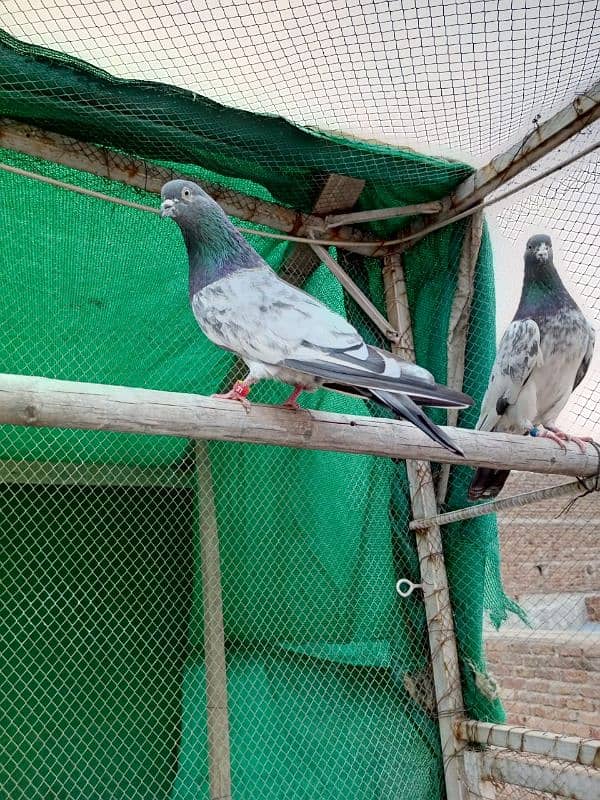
x=548, y=434
x=580, y=441
x=560, y=437
x=239, y=391
x=292, y=401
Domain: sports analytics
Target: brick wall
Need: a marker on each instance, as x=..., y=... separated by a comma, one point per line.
x=541, y=553
x=549, y=677
x=548, y=681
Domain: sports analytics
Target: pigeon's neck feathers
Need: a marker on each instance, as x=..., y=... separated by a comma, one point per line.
x=543, y=291
x=215, y=249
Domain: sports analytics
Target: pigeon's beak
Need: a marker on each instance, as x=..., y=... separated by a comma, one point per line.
x=167, y=208
x=543, y=252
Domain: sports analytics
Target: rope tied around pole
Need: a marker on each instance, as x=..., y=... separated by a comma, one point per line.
x=584, y=483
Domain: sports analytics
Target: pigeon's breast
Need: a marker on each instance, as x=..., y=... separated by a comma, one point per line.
x=564, y=341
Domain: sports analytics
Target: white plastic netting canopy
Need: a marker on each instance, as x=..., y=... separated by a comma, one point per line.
x=462, y=79
x=462, y=75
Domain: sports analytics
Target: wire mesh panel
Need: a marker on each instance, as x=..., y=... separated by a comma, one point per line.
x=95, y=603
x=328, y=679
x=547, y=664
x=137, y=662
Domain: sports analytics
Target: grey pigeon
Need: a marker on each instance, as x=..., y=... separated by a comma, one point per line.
x=280, y=331
x=542, y=357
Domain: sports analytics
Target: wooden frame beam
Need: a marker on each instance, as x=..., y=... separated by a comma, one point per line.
x=571, y=489
x=556, y=130
x=116, y=166
x=458, y=328
x=376, y=214
x=524, y=740
x=62, y=473
x=45, y=402
x=532, y=772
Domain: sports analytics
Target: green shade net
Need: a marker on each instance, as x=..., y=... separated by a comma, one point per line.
x=329, y=688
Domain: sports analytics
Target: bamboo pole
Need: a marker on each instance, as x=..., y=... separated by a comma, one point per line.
x=217, y=716
x=544, y=138
x=440, y=626
x=524, y=740
x=45, y=402
x=458, y=328
x=116, y=166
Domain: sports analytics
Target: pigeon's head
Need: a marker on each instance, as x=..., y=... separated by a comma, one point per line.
x=539, y=249
x=186, y=203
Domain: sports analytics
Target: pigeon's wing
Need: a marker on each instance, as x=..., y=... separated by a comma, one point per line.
x=585, y=364
x=331, y=349
x=264, y=319
x=518, y=355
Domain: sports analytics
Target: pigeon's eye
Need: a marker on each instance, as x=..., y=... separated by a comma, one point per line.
x=185, y=193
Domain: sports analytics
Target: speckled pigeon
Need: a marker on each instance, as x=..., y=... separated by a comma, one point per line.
x=542, y=357
x=280, y=331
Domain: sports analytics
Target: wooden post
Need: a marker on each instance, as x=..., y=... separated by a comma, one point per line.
x=444, y=656
x=459, y=327
x=217, y=716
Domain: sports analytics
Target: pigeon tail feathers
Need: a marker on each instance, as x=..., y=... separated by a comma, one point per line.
x=487, y=483
x=404, y=408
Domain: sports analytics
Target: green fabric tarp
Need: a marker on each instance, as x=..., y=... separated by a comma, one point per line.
x=321, y=650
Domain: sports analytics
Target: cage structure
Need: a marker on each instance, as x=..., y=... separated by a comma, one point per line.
x=201, y=603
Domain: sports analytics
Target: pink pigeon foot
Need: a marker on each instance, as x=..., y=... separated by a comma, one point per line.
x=561, y=436
x=292, y=402
x=239, y=391
x=548, y=434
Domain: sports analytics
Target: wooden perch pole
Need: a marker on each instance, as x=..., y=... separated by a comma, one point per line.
x=217, y=716
x=49, y=403
x=440, y=625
